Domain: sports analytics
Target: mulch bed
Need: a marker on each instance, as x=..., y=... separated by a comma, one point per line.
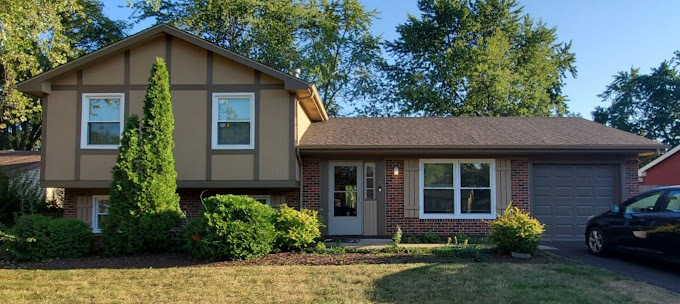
x=166, y=260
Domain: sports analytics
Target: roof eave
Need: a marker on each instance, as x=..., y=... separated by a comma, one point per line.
x=658, y=160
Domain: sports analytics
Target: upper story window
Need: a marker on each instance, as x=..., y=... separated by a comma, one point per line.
x=233, y=120
x=457, y=189
x=102, y=120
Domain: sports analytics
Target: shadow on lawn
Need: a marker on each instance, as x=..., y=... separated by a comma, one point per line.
x=421, y=284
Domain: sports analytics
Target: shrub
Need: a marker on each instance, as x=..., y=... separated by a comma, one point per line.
x=231, y=227
x=36, y=237
x=427, y=238
x=396, y=238
x=28, y=239
x=69, y=238
x=20, y=194
x=296, y=230
x=516, y=231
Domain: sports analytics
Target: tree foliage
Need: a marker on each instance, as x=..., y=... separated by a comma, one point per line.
x=481, y=57
x=330, y=40
x=645, y=104
x=144, y=204
x=36, y=36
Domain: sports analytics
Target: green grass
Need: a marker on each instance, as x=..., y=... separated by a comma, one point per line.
x=394, y=283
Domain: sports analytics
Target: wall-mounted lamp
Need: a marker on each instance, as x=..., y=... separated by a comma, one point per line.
x=396, y=170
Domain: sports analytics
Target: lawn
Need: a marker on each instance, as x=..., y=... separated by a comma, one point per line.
x=383, y=283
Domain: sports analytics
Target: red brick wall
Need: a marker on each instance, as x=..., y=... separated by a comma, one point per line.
x=311, y=184
x=519, y=186
x=190, y=199
x=631, y=177
x=665, y=173
x=394, y=211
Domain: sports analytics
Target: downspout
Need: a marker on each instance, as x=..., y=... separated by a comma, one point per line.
x=299, y=159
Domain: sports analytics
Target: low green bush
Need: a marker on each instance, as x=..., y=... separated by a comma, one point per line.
x=516, y=231
x=427, y=238
x=231, y=227
x=37, y=237
x=69, y=238
x=396, y=238
x=296, y=230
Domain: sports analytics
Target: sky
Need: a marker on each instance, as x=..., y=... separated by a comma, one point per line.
x=607, y=36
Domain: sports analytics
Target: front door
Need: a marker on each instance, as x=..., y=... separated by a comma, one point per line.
x=345, y=199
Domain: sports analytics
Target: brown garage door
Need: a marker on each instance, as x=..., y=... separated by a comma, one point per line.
x=564, y=196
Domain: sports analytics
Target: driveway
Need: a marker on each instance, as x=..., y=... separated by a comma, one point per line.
x=659, y=273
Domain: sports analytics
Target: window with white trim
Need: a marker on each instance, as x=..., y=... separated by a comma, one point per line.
x=102, y=120
x=457, y=189
x=369, y=185
x=233, y=120
x=100, y=209
x=265, y=199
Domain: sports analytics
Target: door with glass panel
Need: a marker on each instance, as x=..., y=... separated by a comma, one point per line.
x=345, y=198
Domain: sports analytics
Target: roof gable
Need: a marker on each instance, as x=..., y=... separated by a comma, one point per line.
x=38, y=85
x=658, y=160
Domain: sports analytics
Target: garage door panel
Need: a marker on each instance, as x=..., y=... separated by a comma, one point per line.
x=564, y=196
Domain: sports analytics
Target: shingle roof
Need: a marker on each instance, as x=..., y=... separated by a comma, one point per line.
x=470, y=133
x=18, y=159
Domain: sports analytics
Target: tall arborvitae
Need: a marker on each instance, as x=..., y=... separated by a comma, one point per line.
x=159, y=178
x=144, y=204
x=120, y=229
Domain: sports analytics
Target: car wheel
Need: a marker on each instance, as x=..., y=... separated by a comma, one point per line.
x=596, y=241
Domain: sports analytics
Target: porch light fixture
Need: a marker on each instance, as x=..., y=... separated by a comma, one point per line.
x=396, y=170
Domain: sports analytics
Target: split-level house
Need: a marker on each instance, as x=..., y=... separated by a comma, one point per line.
x=365, y=176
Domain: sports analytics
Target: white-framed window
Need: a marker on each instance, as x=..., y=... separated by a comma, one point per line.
x=369, y=184
x=265, y=199
x=457, y=188
x=100, y=208
x=102, y=120
x=233, y=120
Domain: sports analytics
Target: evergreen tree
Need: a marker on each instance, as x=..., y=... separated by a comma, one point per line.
x=144, y=204
x=120, y=228
x=160, y=201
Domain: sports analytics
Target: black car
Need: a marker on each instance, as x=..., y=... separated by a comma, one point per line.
x=648, y=222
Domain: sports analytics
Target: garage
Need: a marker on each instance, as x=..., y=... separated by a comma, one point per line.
x=565, y=195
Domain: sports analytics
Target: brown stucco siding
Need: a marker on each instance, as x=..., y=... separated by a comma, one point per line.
x=274, y=147
x=142, y=58
x=110, y=70
x=195, y=74
x=190, y=135
x=188, y=63
x=97, y=166
x=226, y=71
x=60, y=154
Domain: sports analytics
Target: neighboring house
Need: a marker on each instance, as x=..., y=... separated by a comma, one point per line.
x=663, y=171
x=28, y=163
x=364, y=175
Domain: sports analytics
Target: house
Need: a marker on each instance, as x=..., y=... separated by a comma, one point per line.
x=662, y=171
x=364, y=175
x=28, y=164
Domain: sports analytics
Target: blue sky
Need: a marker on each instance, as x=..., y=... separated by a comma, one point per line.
x=607, y=35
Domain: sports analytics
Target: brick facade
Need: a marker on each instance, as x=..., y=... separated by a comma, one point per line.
x=394, y=211
x=190, y=199
x=311, y=184
x=631, y=177
x=519, y=183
